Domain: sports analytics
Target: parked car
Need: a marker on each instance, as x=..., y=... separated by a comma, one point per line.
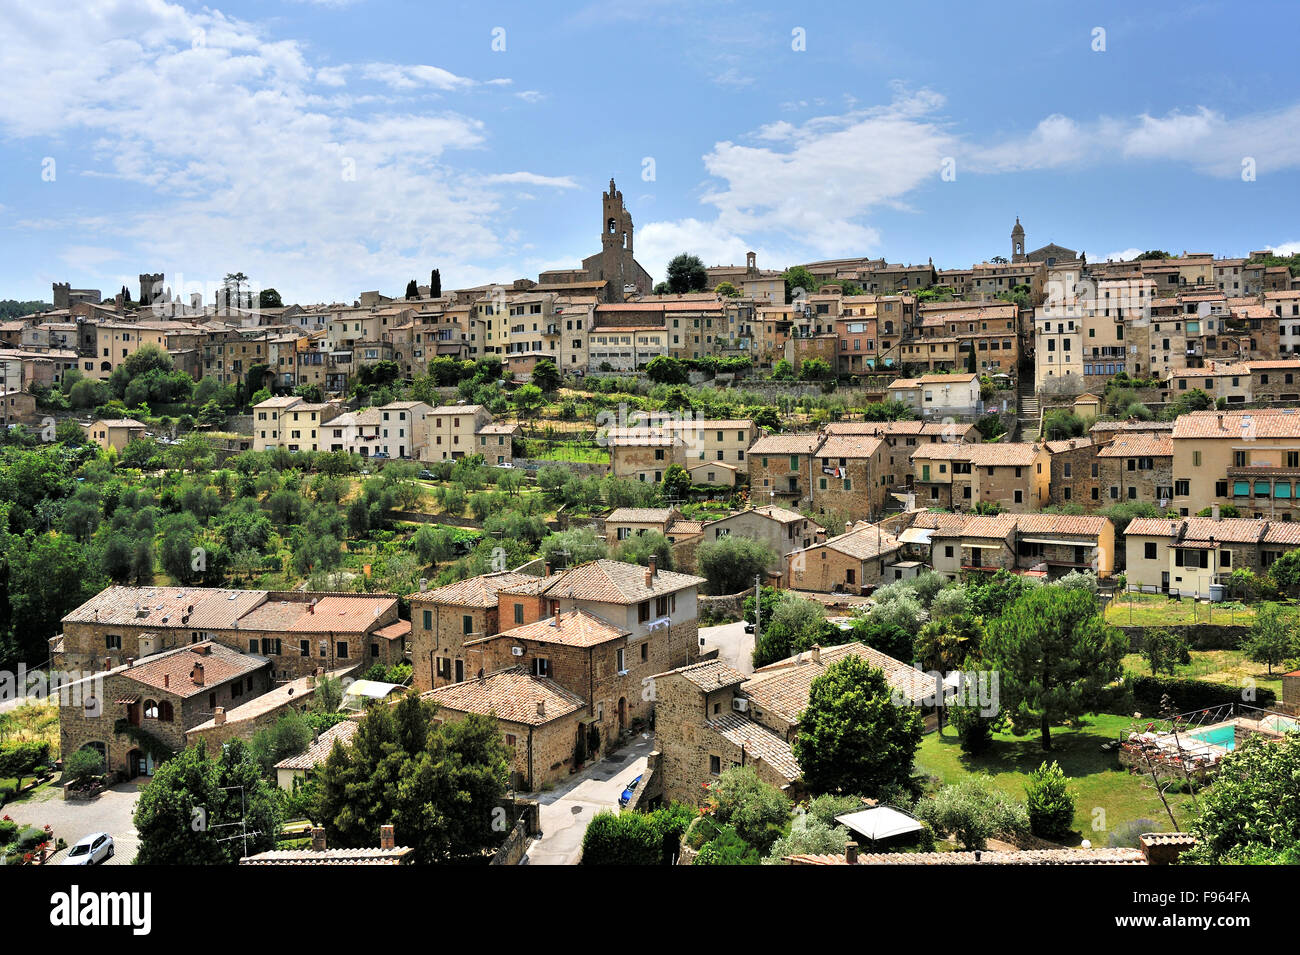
x=749, y=626
x=426, y=474
x=92, y=850
x=506, y=465
x=626, y=798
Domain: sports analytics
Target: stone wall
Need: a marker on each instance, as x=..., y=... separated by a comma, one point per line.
x=729, y=605
x=522, y=833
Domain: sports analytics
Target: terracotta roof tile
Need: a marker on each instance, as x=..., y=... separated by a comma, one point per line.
x=512, y=695
x=172, y=672
x=783, y=687
x=612, y=581
x=1139, y=446
x=571, y=628
x=758, y=741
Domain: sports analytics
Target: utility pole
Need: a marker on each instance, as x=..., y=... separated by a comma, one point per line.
x=758, y=606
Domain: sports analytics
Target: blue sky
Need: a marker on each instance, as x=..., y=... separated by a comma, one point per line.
x=326, y=148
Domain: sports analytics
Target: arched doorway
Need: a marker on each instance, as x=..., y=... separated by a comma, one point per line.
x=139, y=763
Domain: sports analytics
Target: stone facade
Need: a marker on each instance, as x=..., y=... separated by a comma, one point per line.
x=135, y=714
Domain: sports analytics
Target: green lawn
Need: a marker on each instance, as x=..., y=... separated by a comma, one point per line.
x=1157, y=610
x=1229, y=667
x=1097, y=781
x=573, y=451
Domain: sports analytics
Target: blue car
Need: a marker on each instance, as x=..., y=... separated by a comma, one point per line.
x=626, y=798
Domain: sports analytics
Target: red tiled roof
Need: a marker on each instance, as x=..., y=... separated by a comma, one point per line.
x=571, y=628
x=512, y=695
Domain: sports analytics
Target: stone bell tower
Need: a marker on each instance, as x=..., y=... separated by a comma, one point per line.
x=616, y=231
x=1018, y=242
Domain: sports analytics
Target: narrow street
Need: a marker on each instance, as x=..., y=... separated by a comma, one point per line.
x=567, y=809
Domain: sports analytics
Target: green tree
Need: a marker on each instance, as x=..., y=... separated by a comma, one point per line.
x=546, y=376
x=797, y=278
x=638, y=548
x=1164, y=650
x=1055, y=654
x=758, y=811
x=675, y=485
x=854, y=737
x=1253, y=805
x=437, y=783
x=686, y=273
x=815, y=369
x=667, y=370
x=1272, y=637
x=269, y=298
x=731, y=562
x=192, y=801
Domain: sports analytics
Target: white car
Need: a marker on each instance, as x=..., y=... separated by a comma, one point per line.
x=92, y=850
x=505, y=465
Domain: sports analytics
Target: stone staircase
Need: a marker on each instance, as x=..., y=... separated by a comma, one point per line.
x=1027, y=411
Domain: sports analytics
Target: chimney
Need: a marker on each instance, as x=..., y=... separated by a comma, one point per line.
x=851, y=853
x=547, y=568
x=197, y=674
x=387, y=840
x=311, y=607
x=651, y=570
x=108, y=663
x=130, y=662
x=1164, y=848
x=541, y=707
x=167, y=680
x=1214, y=512
x=318, y=839
x=848, y=526
x=816, y=653
x=219, y=716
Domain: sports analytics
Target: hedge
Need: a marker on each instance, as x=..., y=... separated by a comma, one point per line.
x=21, y=759
x=1190, y=695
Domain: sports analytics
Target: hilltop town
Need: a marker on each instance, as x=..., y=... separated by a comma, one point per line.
x=749, y=565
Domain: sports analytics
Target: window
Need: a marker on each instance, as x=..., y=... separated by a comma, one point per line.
x=467, y=624
x=715, y=766
x=341, y=650
x=444, y=668
x=541, y=666
x=643, y=611
x=113, y=641
x=304, y=648
x=519, y=613
x=645, y=652
x=428, y=620
x=621, y=664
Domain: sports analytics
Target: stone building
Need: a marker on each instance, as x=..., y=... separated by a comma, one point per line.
x=783, y=530
x=853, y=562
x=297, y=631
x=850, y=477
x=1074, y=472
x=115, y=433
x=781, y=468
x=1188, y=556
x=614, y=264
x=442, y=620
x=137, y=713
x=541, y=722
x=1014, y=475
x=1249, y=459
x=1137, y=467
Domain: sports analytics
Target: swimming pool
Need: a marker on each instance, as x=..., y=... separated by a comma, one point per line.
x=1222, y=736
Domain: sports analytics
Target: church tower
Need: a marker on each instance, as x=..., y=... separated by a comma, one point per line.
x=1018, y=242
x=616, y=229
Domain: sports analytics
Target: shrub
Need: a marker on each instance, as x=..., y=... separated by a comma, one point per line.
x=82, y=765
x=727, y=848
x=627, y=838
x=755, y=809
x=974, y=732
x=1190, y=694
x=1049, y=803
x=972, y=811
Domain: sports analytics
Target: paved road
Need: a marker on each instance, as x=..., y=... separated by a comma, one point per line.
x=567, y=809
x=111, y=812
x=735, y=646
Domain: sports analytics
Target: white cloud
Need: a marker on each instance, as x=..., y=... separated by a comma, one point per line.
x=1285, y=248
x=811, y=184
x=532, y=179
x=1123, y=255
x=249, y=167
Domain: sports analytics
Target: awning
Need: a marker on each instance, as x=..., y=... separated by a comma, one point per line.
x=982, y=546
x=1061, y=543
x=881, y=822
x=916, y=535
x=130, y=699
